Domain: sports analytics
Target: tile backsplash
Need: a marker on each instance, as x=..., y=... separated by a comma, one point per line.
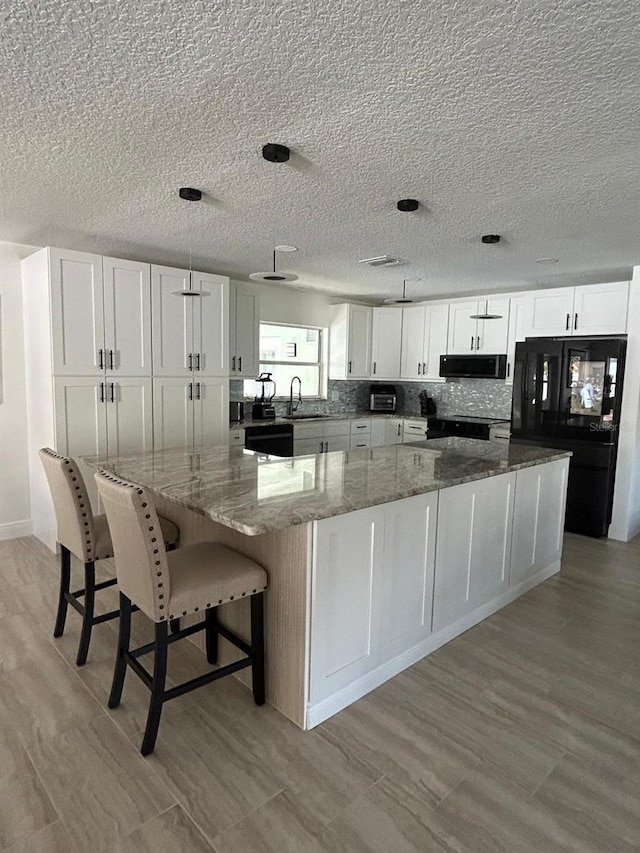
x=481, y=397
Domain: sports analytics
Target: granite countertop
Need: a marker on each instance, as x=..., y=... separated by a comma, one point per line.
x=256, y=494
x=310, y=416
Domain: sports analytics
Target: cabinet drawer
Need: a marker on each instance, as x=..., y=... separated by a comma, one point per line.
x=358, y=441
x=236, y=437
x=361, y=427
x=336, y=428
x=417, y=428
x=308, y=430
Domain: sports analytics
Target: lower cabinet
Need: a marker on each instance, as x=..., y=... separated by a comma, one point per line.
x=318, y=437
x=474, y=546
x=187, y=412
x=371, y=591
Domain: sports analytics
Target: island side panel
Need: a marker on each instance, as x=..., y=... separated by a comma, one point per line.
x=285, y=555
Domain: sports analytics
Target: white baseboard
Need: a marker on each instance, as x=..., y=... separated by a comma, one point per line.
x=321, y=711
x=628, y=533
x=15, y=530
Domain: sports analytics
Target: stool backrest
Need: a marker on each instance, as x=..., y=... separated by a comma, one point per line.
x=138, y=544
x=71, y=504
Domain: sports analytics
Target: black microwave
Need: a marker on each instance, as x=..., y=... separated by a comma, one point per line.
x=473, y=366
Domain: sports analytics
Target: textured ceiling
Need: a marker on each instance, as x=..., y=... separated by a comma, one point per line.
x=518, y=117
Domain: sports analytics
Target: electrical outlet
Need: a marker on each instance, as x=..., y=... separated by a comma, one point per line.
x=335, y=396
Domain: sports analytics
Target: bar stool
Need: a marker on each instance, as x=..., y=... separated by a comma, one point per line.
x=87, y=537
x=168, y=585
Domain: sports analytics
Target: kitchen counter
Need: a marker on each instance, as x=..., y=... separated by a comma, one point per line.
x=256, y=494
x=311, y=417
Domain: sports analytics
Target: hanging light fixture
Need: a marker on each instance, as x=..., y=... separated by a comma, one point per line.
x=486, y=315
x=190, y=194
x=404, y=299
x=272, y=275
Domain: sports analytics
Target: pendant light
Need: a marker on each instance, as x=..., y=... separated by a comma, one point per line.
x=404, y=299
x=486, y=315
x=272, y=275
x=190, y=194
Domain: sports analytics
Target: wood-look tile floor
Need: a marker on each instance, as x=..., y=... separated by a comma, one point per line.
x=521, y=735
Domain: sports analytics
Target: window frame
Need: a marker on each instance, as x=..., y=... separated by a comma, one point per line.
x=321, y=364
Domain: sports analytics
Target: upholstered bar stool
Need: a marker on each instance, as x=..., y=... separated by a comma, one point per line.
x=87, y=537
x=168, y=585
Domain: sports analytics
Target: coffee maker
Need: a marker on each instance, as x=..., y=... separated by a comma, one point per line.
x=263, y=408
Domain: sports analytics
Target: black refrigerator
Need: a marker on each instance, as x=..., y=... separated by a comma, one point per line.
x=567, y=394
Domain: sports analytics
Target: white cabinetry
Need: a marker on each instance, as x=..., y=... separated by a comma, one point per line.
x=386, y=343
x=244, y=344
x=424, y=340
x=593, y=309
x=350, y=342
x=188, y=413
x=371, y=589
x=236, y=437
x=474, y=546
x=519, y=325
x=386, y=431
x=360, y=433
x=318, y=437
x=468, y=335
x=414, y=431
x=190, y=323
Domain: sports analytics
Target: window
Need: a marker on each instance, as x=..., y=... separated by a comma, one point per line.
x=288, y=351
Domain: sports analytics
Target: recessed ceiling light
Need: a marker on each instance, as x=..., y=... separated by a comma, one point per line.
x=546, y=260
x=286, y=248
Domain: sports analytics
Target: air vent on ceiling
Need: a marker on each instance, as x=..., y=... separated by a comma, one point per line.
x=382, y=261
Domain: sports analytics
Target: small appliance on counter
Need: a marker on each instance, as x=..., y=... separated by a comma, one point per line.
x=263, y=408
x=382, y=398
x=428, y=406
x=236, y=412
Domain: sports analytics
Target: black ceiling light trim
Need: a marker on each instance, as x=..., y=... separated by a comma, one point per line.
x=408, y=205
x=275, y=153
x=190, y=194
x=491, y=238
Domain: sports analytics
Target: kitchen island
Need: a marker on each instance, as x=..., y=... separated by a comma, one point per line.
x=376, y=557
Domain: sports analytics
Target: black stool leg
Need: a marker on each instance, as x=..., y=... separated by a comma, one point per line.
x=174, y=624
x=157, y=689
x=211, y=619
x=65, y=581
x=124, y=634
x=89, y=606
x=257, y=646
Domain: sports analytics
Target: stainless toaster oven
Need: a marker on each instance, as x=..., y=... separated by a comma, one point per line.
x=382, y=398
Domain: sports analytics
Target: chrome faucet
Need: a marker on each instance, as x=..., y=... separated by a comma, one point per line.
x=293, y=408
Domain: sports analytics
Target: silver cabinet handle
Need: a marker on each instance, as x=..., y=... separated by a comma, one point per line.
x=191, y=390
x=568, y=321
x=233, y=363
x=101, y=358
x=361, y=426
x=349, y=367
x=418, y=368
x=575, y=322
x=113, y=392
x=375, y=363
x=197, y=361
x=190, y=361
x=471, y=341
x=198, y=391
x=110, y=359
x=239, y=364
x=102, y=392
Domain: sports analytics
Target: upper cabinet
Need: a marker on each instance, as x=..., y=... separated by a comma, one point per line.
x=100, y=315
x=470, y=335
x=593, y=309
x=424, y=340
x=244, y=346
x=519, y=326
x=386, y=343
x=350, y=342
x=191, y=321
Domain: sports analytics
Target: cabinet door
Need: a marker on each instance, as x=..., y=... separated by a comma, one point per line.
x=127, y=317
x=129, y=415
x=359, y=342
x=601, y=309
x=551, y=312
x=386, y=342
x=341, y=442
x=492, y=335
x=409, y=560
x=245, y=360
x=473, y=546
x=346, y=599
x=393, y=431
x=307, y=446
x=211, y=324
x=211, y=411
x=436, y=333
x=172, y=322
x=77, y=313
x=172, y=413
x=462, y=329
x=519, y=325
x=538, y=518
x=81, y=423
x=413, y=336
